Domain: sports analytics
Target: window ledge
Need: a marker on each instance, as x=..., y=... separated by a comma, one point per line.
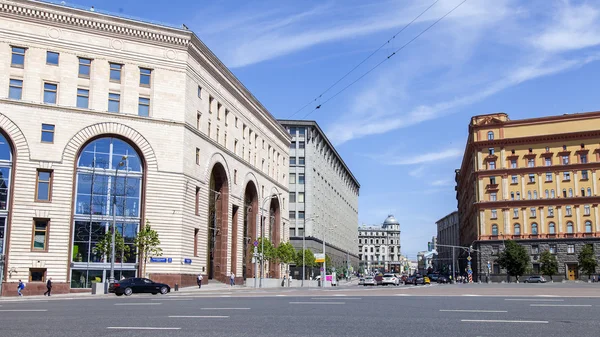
x=514, y=183
x=83, y=76
x=531, y=183
x=566, y=180
x=584, y=179
x=19, y=66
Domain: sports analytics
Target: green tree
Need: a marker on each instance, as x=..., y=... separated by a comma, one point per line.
x=286, y=253
x=514, y=259
x=147, y=243
x=549, y=264
x=328, y=263
x=587, y=260
x=270, y=253
x=104, y=246
x=309, y=258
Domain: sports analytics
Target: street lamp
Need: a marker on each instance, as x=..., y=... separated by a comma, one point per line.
x=262, y=234
x=114, y=220
x=324, y=275
x=304, y=246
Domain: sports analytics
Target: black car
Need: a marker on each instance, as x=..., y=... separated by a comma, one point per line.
x=443, y=279
x=138, y=285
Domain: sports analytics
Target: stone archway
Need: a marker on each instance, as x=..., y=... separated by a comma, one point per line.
x=274, y=232
x=250, y=216
x=218, y=202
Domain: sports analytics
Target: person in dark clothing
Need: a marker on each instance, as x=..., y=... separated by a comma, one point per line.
x=48, y=286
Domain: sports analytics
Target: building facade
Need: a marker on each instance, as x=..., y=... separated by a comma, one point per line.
x=447, y=235
x=323, y=197
x=106, y=121
x=533, y=181
x=379, y=246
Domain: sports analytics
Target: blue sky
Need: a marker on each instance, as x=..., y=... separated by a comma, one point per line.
x=402, y=128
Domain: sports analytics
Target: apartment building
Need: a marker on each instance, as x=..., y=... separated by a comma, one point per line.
x=379, y=246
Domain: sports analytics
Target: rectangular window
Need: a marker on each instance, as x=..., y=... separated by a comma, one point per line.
x=583, y=159
x=292, y=131
x=584, y=175
x=235, y=177
x=197, y=203
x=47, y=133
x=586, y=210
x=514, y=180
x=495, y=250
x=548, y=161
x=145, y=77
x=219, y=110
x=535, y=249
x=491, y=151
x=493, y=196
x=566, y=175
x=568, y=210
x=37, y=275
x=301, y=160
x=292, y=161
x=114, y=102
x=530, y=162
x=50, y=91
x=570, y=249
x=15, y=89
x=550, y=211
x=115, y=72
x=292, y=145
x=84, y=67
x=301, y=197
x=210, y=104
x=43, y=185
x=196, y=230
x=40, y=235
x=492, y=165
x=144, y=107
x=515, y=213
x=300, y=214
x=492, y=180
x=301, y=178
x=301, y=145
x=494, y=214
x=513, y=163
x=197, y=156
x=51, y=58
x=83, y=98
x=18, y=57
x=198, y=120
x=496, y=268
x=552, y=249
x=549, y=176
x=227, y=120
x=200, y=92
x=292, y=196
x=532, y=178
x=302, y=131
x=565, y=160
x=532, y=210
x=292, y=215
x=292, y=178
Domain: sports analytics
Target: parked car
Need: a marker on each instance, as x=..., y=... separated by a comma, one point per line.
x=420, y=279
x=426, y=280
x=390, y=279
x=535, y=279
x=369, y=281
x=361, y=281
x=138, y=285
x=403, y=278
x=433, y=277
x=410, y=279
x=443, y=279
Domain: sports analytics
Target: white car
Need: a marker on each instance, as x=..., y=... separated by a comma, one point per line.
x=369, y=281
x=390, y=279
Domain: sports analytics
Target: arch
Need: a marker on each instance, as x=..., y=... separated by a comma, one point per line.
x=588, y=226
x=6, y=181
x=274, y=230
x=552, y=195
x=216, y=158
x=570, y=227
x=250, y=200
x=218, y=210
x=517, y=229
x=551, y=228
x=589, y=192
x=494, y=229
x=107, y=129
x=14, y=136
x=534, y=228
x=547, y=194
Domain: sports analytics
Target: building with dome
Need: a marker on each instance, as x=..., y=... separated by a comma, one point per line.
x=379, y=246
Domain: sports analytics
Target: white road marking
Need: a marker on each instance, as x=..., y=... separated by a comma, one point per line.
x=138, y=328
x=560, y=305
x=138, y=303
x=461, y=310
x=345, y=298
x=280, y=295
x=532, y=300
x=171, y=299
x=224, y=308
x=23, y=310
x=317, y=302
x=500, y=321
x=225, y=295
x=198, y=316
x=23, y=301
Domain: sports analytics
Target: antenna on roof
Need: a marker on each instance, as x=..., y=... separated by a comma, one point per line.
x=184, y=26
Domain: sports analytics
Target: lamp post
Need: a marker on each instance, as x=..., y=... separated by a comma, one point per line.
x=114, y=221
x=304, y=246
x=324, y=275
x=262, y=234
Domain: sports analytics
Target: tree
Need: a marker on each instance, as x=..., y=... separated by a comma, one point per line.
x=514, y=259
x=587, y=260
x=147, y=243
x=286, y=253
x=104, y=246
x=270, y=253
x=328, y=263
x=309, y=258
x=549, y=264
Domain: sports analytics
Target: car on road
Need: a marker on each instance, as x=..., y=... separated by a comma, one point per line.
x=138, y=285
x=535, y=279
x=369, y=281
x=361, y=281
x=390, y=279
x=434, y=277
x=410, y=279
x=443, y=279
x=420, y=279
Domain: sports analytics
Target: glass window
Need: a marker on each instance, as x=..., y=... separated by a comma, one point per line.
x=584, y=174
x=301, y=160
x=83, y=98
x=44, y=185
x=51, y=58
x=532, y=178
x=84, y=67
x=301, y=197
x=292, y=145
x=548, y=161
x=292, y=178
x=301, y=145
x=144, y=107
x=514, y=180
x=589, y=192
x=570, y=249
x=493, y=196
x=491, y=151
x=494, y=229
x=40, y=235
x=200, y=92
x=535, y=196
x=518, y=195
x=302, y=131
x=47, y=133
x=534, y=228
x=292, y=161
x=583, y=158
x=532, y=212
x=490, y=135
x=550, y=211
x=530, y=162
x=570, y=227
x=529, y=195
x=494, y=214
x=18, y=57
x=566, y=175
x=586, y=210
x=292, y=215
x=535, y=249
x=546, y=194
x=492, y=165
x=552, y=248
x=145, y=77
x=512, y=195
x=552, y=228
x=565, y=160
x=515, y=212
x=37, y=274
x=517, y=229
x=300, y=214
x=50, y=90
x=115, y=72
x=513, y=163
x=492, y=180
x=114, y=102
x=292, y=196
x=301, y=178
x=548, y=176
x=15, y=90
x=552, y=195
x=588, y=226
x=570, y=192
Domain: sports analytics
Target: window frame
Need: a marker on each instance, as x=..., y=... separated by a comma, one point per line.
x=46, y=131
x=515, y=227
x=86, y=97
x=551, y=228
x=12, y=56
x=570, y=249
x=11, y=86
x=46, y=235
x=118, y=69
x=490, y=135
x=111, y=99
x=145, y=105
x=44, y=272
x=148, y=75
x=49, y=182
x=591, y=226
x=57, y=58
x=45, y=90
x=84, y=65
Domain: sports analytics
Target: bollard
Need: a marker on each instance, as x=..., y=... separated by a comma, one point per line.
x=176, y=287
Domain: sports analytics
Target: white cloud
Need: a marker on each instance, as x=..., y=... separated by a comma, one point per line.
x=418, y=172
x=441, y=182
x=427, y=157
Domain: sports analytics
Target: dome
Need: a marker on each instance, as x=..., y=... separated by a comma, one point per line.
x=390, y=221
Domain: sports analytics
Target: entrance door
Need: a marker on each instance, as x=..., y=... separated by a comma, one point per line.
x=572, y=272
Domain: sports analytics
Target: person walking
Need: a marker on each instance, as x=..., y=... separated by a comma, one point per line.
x=200, y=281
x=20, y=287
x=232, y=279
x=48, y=286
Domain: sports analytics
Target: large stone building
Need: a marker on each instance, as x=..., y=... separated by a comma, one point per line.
x=323, y=199
x=379, y=246
x=447, y=235
x=108, y=119
x=533, y=181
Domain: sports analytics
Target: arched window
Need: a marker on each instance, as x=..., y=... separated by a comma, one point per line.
x=564, y=192
x=552, y=195
x=518, y=195
x=6, y=157
x=570, y=227
x=108, y=183
x=588, y=226
x=529, y=195
x=547, y=194
x=583, y=192
x=534, y=228
x=491, y=135
x=552, y=228
x=517, y=229
x=512, y=195
x=535, y=195
x=589, y=192
x=570, y=192
x=494, y=229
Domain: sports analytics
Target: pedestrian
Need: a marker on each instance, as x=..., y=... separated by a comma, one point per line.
x=48, y=286
x=199, y=281
x=232, y=279
x=20, y=287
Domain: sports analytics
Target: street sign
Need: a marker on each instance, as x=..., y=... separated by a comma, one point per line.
x=469, y=258
x=320, y=258
x=255, y=243
x=158, y=259
x=321, y=268
x=187, y=261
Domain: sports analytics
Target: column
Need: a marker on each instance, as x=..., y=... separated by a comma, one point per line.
x=506, y=224
x=576, y=182
x=524, y=225
x=557, y=175
x=482, y=222
x=594, y=182
x=595, y=207
x=522, y=186
x=542, y=221
x=560, y=220
x=503, y=158
x=505, y=187
x=480, y=189
x=479, y=161
x=539, y=183
x=577, y=219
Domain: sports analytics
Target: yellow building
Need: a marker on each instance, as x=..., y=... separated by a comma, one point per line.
x=534, y=181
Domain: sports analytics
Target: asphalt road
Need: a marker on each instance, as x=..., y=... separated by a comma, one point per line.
x=286, y=315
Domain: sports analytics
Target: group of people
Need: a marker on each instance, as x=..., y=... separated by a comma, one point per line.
x=199, y=279
x=21, y=286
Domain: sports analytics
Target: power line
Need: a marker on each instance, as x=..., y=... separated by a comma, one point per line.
x=363, y=61
x=389, y=56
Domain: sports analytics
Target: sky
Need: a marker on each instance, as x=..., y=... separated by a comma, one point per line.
x=402, y=127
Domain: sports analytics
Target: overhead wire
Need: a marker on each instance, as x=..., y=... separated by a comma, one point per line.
x=365, y=60
x=386, y=59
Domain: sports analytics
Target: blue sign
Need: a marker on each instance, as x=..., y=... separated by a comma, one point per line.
x=170, y=259
x=469, y=272
x=187, y=261
x=255, y=243
x=158, y=259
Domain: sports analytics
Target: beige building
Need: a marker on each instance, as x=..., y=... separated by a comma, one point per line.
x=108, y=119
